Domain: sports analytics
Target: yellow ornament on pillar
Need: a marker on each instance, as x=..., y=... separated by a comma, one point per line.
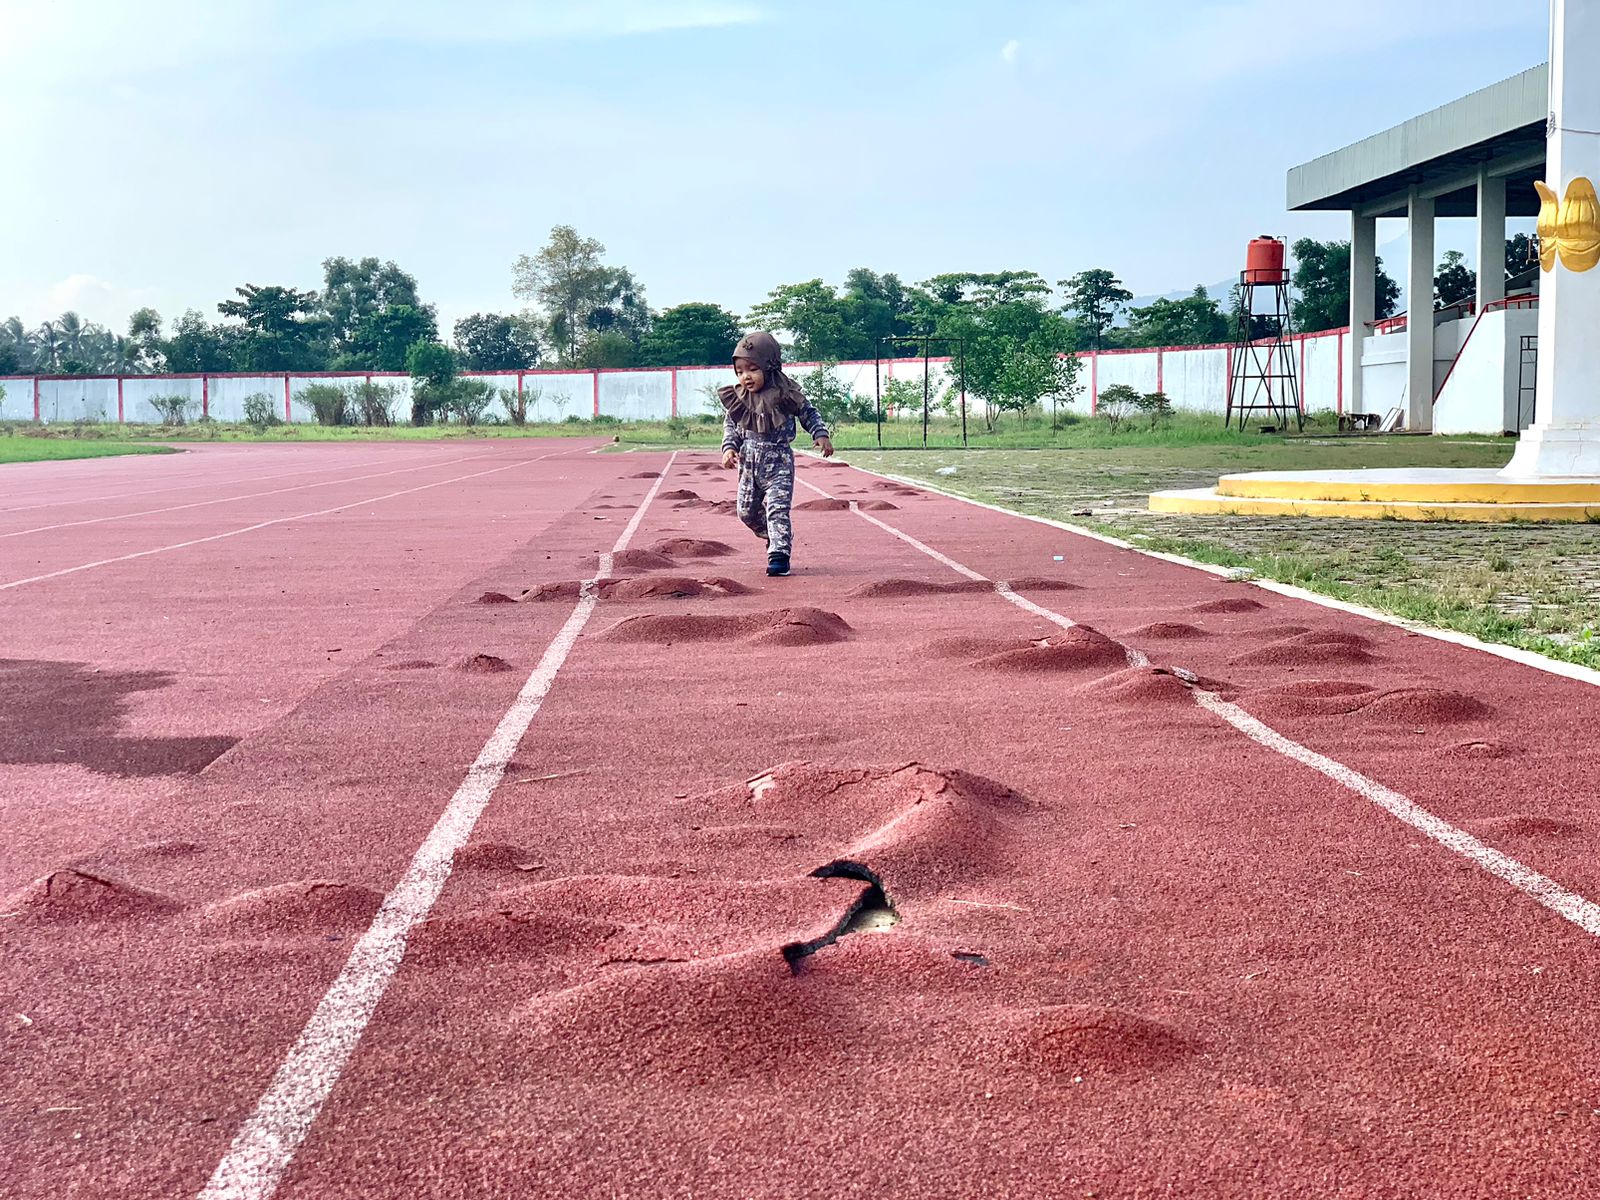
x=1569, y=229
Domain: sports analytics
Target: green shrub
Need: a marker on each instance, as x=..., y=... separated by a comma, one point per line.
x=1155, y=405
x=1117, y=405
x=261, y=412
x=329, y=403
x=371, y=403
x=468, y=399
x=903, y=397
x=836, y=401
x=517, y=403
x=173, y=410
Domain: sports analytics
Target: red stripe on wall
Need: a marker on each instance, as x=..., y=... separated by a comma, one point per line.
x=205, y=396
x=288, y=414
x=597, y=393
x=1094, y=382
x=1338, y=400
x=35, y=397
x=674, y=391
x=120, y=417
x=1161, y=371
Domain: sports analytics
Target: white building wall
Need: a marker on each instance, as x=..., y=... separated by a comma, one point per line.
x=1480, y=393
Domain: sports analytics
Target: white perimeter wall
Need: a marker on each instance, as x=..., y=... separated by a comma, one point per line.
x=1195, y=378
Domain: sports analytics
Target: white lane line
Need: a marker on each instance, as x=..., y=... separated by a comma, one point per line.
x=217, y=537
x=267, y=1142
x=1583, y=913
x=298, y=487
x=221, y=460
x=1516, y=654
x=1136, y=658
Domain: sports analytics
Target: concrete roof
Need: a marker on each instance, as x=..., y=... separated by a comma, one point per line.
x=1440, y=153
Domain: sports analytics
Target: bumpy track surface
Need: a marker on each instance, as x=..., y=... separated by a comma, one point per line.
x=450, y=821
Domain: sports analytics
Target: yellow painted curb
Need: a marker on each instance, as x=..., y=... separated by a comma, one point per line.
x=1211, y=502
x=1477, y=492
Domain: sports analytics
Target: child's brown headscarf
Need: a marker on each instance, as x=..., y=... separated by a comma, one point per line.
x=770, y=408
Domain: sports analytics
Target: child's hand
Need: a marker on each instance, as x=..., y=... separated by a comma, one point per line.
x=730, y=459
x=826, y=446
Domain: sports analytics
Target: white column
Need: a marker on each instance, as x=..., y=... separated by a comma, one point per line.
x=1491, y=239
x=1363, y=299
x=1565, y=439
x=1419, y=315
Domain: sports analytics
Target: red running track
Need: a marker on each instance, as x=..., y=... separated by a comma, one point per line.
x=1140, y=944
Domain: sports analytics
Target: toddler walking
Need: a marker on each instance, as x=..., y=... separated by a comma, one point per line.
x=758, y=430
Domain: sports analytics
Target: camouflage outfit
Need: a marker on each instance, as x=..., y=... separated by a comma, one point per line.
x=766, y=484
x=761, y=429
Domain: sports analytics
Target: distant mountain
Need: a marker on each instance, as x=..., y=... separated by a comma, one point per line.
x=1217, y=291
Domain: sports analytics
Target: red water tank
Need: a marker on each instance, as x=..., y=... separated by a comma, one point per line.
x=1263, y=262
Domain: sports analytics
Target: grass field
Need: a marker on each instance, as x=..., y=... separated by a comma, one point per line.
x=1071, y=431
x=15, y=449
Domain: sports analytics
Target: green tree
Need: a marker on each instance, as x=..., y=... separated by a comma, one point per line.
x=47, y=347
x=814, y=316
x=491, y=342
x=605, y=349
x=1322, y=279
x=353, y=292
x=18, y=339
x=1096, y=298
x=10, y=359
x=1521, y=253
x=1016, y=345
x=1195, y=320
x=690, y=335
x=384, y=336
x=830, y=325
x=1260, y=326
x=1455, y=281
x=144, y=336
x=833, y=398
x=621, y=309
x=195, y=345
x=281, y=329
x=568, y=280
x=432, y=368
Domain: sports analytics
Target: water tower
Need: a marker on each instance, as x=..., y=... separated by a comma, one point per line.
x=1263, y=378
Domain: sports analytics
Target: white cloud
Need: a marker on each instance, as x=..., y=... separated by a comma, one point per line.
x=95, y=299
x=1009, y=52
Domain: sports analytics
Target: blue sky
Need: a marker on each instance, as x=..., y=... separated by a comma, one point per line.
x=165, y=151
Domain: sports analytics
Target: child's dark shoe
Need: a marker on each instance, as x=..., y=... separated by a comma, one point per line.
x=777, y=564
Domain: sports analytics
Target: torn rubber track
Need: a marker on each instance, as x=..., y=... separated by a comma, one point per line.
x=873, y=899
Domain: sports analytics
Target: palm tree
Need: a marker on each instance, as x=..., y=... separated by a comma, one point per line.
x=13, y=333
x=48, y=341
x=73, y=332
